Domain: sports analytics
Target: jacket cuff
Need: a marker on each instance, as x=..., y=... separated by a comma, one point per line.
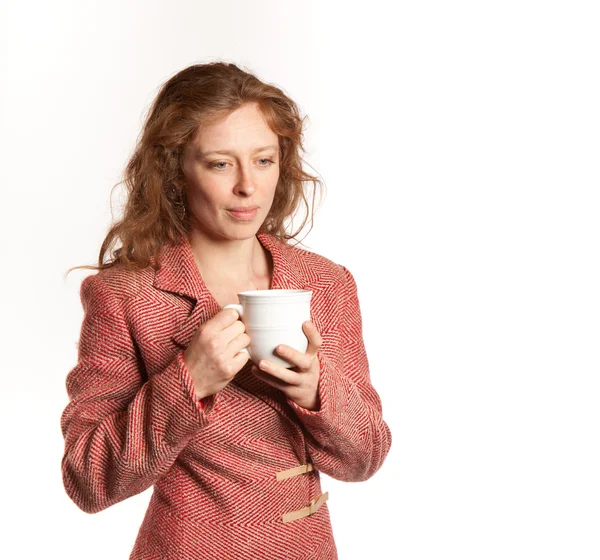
x=333, y=396
x=175, y=387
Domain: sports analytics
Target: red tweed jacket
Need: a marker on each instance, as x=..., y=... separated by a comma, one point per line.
x=236, y=474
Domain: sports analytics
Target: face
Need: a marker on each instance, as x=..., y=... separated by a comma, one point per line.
x=243, y=175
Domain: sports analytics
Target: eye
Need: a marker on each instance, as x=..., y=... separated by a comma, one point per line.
x=221, y=165
x=218, y=163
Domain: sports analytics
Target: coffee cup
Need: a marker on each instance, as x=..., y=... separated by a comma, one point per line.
x=271, y=318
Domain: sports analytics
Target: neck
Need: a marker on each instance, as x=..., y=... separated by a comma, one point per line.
x=235, y=261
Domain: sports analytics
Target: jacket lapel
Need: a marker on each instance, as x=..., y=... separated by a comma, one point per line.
x=178, y=274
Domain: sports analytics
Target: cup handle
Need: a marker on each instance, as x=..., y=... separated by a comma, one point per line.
x=240, y=311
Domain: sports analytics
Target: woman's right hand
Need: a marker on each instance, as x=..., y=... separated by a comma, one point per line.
x=213, y=356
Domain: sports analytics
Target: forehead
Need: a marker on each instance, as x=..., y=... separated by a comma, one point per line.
x=244, y=128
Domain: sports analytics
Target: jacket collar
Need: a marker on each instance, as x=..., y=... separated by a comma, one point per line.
x=180, y=275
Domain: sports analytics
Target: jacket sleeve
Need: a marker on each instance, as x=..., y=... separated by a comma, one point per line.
x=122, y=431
x=347, y=436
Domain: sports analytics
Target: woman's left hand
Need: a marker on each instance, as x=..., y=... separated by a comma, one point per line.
x=301, y=382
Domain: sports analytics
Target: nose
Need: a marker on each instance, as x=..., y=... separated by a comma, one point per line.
x=245, y=182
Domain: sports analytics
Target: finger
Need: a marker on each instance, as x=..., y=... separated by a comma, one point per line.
x=238, y=343
x=223, y=319
x=235, y=329
x=315, y=341
x=278, y=374
x=240, y=360
x=268, y=378
x=294, y=356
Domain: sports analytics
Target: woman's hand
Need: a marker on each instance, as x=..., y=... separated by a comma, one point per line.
x=300, y=383
x=214, y=355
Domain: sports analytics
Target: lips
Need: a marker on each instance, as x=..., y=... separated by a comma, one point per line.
x=243, y=214
x=243, y=208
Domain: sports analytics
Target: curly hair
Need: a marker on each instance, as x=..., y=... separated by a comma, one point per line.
x=198, y=95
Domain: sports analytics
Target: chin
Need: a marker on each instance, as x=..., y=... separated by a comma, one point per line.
x=229, y=230
x=241, y=231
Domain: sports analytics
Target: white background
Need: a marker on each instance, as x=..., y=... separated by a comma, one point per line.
x=459, y=144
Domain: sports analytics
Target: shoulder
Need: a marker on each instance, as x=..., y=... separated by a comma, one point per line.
x=333, y=285
x=316, y=267
x=114, y=286
x=311, y=264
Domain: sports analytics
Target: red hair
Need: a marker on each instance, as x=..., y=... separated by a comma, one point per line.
x=198, y=95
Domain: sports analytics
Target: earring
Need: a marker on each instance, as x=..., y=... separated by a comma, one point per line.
x=181, y=205
x=178, y=202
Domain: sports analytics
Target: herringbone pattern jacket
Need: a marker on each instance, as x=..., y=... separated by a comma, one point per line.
x=236, y=474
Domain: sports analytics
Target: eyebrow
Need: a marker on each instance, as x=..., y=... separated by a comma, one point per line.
x=230, y=152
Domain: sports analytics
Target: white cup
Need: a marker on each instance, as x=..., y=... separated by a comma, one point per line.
x=271, y=318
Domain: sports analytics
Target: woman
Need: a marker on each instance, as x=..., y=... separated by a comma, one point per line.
x=163, y=395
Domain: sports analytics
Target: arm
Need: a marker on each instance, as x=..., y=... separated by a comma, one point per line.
x=122, y=432
x=348, y=438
